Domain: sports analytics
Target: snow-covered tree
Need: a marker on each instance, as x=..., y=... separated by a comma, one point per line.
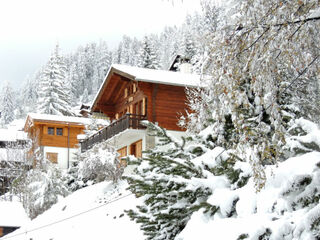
x=40, y=188
x=7, y=105
x=173, y=186
x=53, y=97
x=260, y=58
x=147, y=56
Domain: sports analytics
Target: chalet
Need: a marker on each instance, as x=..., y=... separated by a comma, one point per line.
x=131, y=94
x=54, y=137
x=12, y=155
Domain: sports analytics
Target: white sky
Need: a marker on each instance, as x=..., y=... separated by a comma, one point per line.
x=29, y=29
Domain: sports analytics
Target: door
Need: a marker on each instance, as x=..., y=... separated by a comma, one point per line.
x=136, y=149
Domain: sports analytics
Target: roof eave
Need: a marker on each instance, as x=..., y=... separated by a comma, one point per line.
x=111, y=71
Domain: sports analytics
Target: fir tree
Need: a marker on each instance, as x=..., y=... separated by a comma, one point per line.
x=173, y=186
x=7, y=105
x=148, y=57
x=54, y=98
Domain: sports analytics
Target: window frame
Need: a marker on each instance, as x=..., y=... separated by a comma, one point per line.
x=51, y=131
x=58, y=131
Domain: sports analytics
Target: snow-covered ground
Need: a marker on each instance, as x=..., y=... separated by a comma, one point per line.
x=12, y=214
x=95, y=212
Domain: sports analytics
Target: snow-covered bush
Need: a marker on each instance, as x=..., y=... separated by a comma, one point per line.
x=286, y=208
x=95, y=165
x=40, y=188
x=304, y=137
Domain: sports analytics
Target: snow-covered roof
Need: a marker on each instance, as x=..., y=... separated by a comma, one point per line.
x=158, y=76
x=150, y=75
x=11, y=135
x=57, y=118
x=12, y=214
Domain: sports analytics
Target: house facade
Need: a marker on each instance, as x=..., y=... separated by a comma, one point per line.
x=129, y=95
x=54, y=137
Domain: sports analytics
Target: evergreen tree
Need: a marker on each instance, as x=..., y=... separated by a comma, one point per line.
x=54, y=98
x=173, y=185
x=7, y=104
x=148, y=57
x=252, y=97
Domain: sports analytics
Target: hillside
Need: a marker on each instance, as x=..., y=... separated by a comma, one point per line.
x=94, y=212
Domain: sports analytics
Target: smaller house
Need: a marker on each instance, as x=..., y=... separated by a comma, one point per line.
x=12, y=217
x=54, y=137
x=12, y=156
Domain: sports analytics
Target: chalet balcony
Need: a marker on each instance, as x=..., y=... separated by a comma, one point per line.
x=127, y=121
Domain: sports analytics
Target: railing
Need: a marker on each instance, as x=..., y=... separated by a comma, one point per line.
x=125, y=122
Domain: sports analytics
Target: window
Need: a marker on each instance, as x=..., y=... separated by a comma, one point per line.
x=59, y=131
x=50, y=130
x=52, y=157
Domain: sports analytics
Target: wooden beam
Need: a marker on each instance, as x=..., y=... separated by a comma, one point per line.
x=121, y=90
x=106, y=108
x=114, y=81
x=154, y=95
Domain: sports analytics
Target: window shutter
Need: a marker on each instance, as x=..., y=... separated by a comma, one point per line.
x=45, y=129
x=139, y=149
x=144, y=106
x=65, y=131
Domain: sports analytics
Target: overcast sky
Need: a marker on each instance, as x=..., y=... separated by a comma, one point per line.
x=29, y=29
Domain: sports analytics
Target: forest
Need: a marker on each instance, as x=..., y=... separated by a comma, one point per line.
x=252, y=151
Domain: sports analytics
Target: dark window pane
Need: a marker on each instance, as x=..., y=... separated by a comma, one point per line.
x=50, y=130
x=60, y=131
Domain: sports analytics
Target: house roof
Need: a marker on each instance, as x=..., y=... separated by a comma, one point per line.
x=12, y=214
x=37, y=117
x=10, y=135
x=149, y=75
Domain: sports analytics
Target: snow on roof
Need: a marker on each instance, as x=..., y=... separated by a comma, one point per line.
x=150, y=75
x=57, y=118
x=12, y=214
x=159, y=76
x=12, y=135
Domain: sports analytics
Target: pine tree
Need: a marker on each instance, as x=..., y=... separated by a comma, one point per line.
x=148, y=57
x=7, y=105
x=173, y=186
x=53, y=97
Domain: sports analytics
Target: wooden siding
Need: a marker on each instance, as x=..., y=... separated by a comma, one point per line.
x=39, y=135
x=163, y=104
x=57, y=140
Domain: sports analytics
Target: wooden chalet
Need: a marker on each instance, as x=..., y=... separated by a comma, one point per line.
x=131, y=94
x=54, y=137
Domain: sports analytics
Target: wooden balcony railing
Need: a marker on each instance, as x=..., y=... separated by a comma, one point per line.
x=127, y=121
